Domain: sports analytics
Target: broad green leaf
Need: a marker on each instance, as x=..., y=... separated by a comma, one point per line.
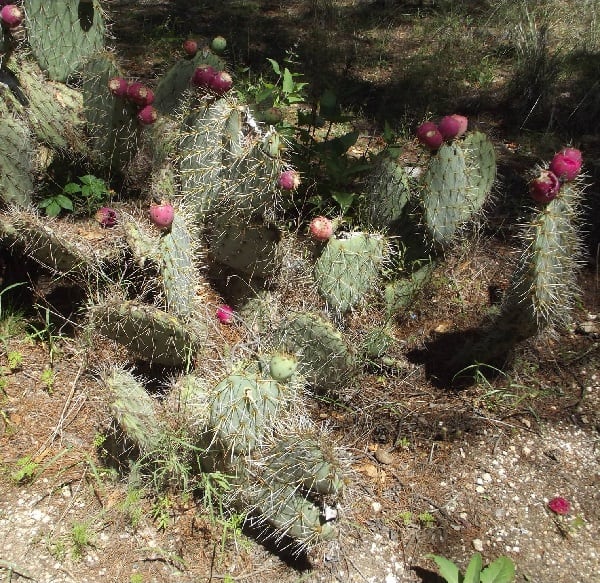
x=473, y=570
x=64, y=201
x=448, y=570
x=72, y=188
x=275, y=66
x=53, y=209
x=288, y=81
x=89, y=179
x=344, y=199
x=502, y=570
x=264, y=94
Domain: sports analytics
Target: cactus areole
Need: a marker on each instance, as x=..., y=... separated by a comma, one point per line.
x=11, y=16
x=162, y=215
x=544, y=187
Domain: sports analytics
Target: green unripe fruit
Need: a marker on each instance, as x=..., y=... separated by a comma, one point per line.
x=219, y=44
x=282, y=366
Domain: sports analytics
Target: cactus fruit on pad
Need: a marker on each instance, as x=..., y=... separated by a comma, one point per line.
x=133, y=409
x=63, y=33
x=458, y=179
x=16, y=179
x=324, y=358
x=348, y=268
x=146, y=331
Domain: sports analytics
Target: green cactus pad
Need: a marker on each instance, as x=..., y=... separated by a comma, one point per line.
x=188, y=402
x=349, y=268
x=133, y=409
x=325, y=359
x=480, y=160
x=63, y=33
x=146, y=331
x=398, y=294
x=16, y=179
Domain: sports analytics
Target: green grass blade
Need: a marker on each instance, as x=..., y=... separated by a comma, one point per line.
x=473, y=571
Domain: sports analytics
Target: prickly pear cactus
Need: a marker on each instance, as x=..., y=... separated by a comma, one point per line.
x=348, y=268
x=63, y=33
x=16, y=179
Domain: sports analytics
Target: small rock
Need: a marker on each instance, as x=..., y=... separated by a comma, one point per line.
x=479, y=489
x=384, y=457
x=376, y=506
x=477, y=545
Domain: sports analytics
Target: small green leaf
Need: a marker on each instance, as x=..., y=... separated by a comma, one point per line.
x=88, y=179
x=288, y=81
x=502, y=570
x=275, y=66
x=344, y=199
x=474, y=569
x=72, y=188
x=64, y=202
x=53, y=209
x=264, y=94
x=448, y=570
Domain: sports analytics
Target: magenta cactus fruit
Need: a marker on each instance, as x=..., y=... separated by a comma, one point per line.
x=289, y=180
x=221, y=82
x=560, y=505
x=147, y=115
x=11, y=16
x=140, y=94
x=203, y=75
x=106, y=216
x=190, y=47
x=225, y=314
x=429, y=135
x=321, y=229
x=218, y=44
x=118, y=86
x=453, y=126
x=573, y=153
x=567, y=165
x=162, y=215
x=544, y=187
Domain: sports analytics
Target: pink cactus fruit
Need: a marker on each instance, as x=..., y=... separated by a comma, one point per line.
x=544, y=187
x=139, y=94
x=429, y=135
x=560, y=505
x=190, y=47
x=453, y=126
x=573, y=153
x=567, y=165
x=225, y=314
x=118, y=86
x=147, y=115
x=162, y=215
x=202, y=75
x=11, y=16
x=106, y=216
x=321, y=229
x=221, y=82
x=289, y=180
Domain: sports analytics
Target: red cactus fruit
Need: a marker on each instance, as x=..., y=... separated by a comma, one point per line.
x=289, y=180
x=218, y=44
x=566, y=166
x=560, y=505
x=429, y=135
x=321, y=229
x=162, y=215
x=544, y=187
x=140, y=94
x=221, y=82
x=147, y=115
x=190, y=47
x=225, y=314
x=453, y=126
x=573, y=153
x=203, y=75
x=118, y=86
x=11, y=16
x=106, y=216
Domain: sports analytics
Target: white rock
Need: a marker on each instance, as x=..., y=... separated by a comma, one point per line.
x=477, y=544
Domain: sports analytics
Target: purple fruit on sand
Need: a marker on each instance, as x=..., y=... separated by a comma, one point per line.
x=566, y=165
x=106, y=216
x=118, y=86
x=190, y=47
x=221, y=82
x=11, y=16
x=225, y=314
x=147, y=115
x=429, y=135
x=203, y=75
x=162, y=215
x=544, y=187
x=289, y=180
x=321, y=229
